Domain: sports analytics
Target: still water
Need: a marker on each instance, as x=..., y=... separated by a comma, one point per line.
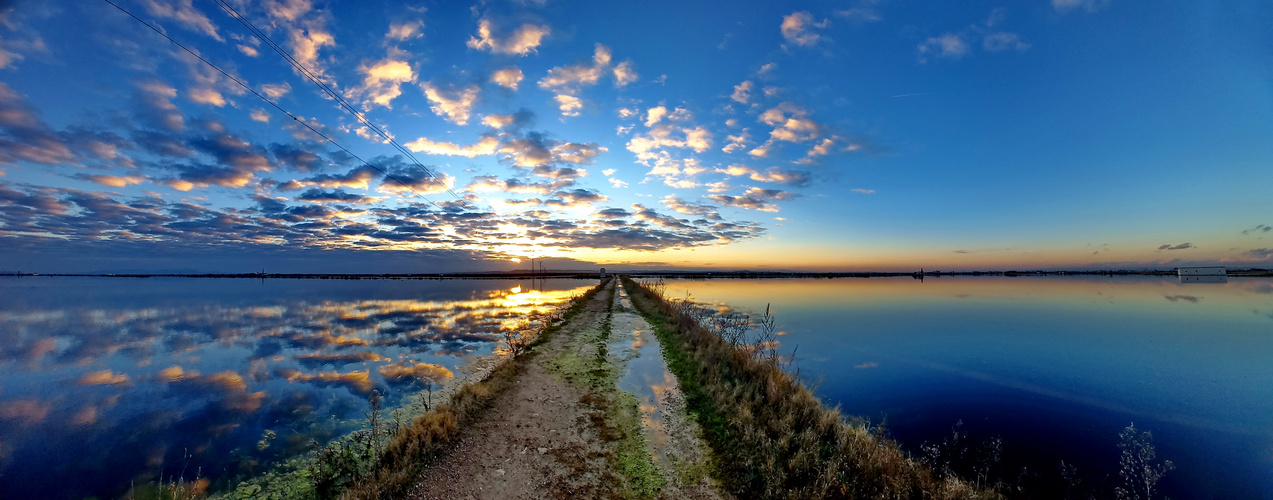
x=106, y=382
x=1054, y=366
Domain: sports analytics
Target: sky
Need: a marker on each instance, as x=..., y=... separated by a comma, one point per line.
x=843, y=135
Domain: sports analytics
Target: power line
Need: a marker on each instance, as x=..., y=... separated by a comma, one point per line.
x=272, y=103
x=336, y=96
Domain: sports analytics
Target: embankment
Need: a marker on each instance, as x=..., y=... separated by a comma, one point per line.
x=771, y=437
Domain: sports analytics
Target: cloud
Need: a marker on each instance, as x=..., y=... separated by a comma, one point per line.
x=24, y=137
x=795, y=178
x=535, y=150
x=948, y=46
x=1181, y=246
x=625, y=74
x=1002, y=41
x=359, y=178
x=276, y=91
x=863, y=191
x=863, y=11
x=508, y=77
x=737, y=142
x=754, y=199
x=116, y=181
x=315, y=195
x=1259, y=253
x=578, y=75
x=742, y=92
x=260, y=115
x=523, y=41
x=485, y=146
x=493, y=184
x=791, y=123
x=382, y=82
x=821, y=149
x=1261, y=228
x=683, y=207
x=453, y=103
x=801, y=28
x=1087, y=5
x=653, y=115
x=155, y=107
x=405, y=30
x=568, y=104
x=183, y=11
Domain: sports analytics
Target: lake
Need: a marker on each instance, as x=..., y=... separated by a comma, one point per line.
x=1054, y=366
x=107, y=382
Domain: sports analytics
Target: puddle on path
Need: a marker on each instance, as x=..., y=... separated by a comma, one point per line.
x=645, y=375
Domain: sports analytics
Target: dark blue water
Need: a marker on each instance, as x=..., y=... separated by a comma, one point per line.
x=1056, y=367
x=106, y=382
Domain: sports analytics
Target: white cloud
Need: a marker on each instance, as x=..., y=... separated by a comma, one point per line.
x=742, y=92
x=578, y=75
x=801, y=28
x=248, y=50
x=406, y=30
x=1088, y=5
x=568, y=104
x=508, y=77
x=1001, y=41
x=183, y=11
x=454, y=104
x=618, y=184
x=653, y=115
x=382, y=82
x=949, y=46
x=276, y=91
x=498, y=121
x=768, y=67
x=736, y=142
x=523, y=41
x=864, y=191
x=485, y=146
x=624, y=74
x=260, y=115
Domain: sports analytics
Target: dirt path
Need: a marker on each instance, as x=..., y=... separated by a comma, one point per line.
x=566, y=430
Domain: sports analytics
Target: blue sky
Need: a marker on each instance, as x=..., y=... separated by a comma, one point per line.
x=836, y=135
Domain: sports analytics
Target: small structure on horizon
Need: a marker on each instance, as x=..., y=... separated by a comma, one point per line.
x=1201, y=271
x=603, y=273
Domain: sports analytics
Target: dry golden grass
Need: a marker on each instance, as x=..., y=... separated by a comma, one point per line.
x=771, y=436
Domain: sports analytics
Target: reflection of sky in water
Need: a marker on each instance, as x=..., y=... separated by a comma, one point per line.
x=103, y=381
x=1057, y=366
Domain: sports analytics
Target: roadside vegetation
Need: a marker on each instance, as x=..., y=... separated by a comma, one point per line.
x=771, y=436
x=385, y=457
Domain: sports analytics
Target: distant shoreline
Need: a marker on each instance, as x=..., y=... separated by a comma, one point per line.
x=1252, y=272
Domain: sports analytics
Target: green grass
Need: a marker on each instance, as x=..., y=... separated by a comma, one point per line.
x=770, y=436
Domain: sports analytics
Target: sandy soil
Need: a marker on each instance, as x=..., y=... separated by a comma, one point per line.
x=541, y=440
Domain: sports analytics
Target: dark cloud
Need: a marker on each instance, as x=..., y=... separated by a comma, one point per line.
x=331, y=196
x=24, y=137
x=298, y=159
x=1259, y=253
x=1262, y=228
x=1181, y=246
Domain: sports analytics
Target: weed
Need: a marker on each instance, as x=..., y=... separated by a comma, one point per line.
x=1139, y=472
x=772, y=438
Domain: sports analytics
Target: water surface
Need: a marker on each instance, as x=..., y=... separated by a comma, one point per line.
x=1056, y=366
x=110, y=381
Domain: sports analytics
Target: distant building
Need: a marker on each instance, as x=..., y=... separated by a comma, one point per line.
x=603, y=273
x=1201, y=271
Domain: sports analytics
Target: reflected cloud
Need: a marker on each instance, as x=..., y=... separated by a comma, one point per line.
x=168, y=384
